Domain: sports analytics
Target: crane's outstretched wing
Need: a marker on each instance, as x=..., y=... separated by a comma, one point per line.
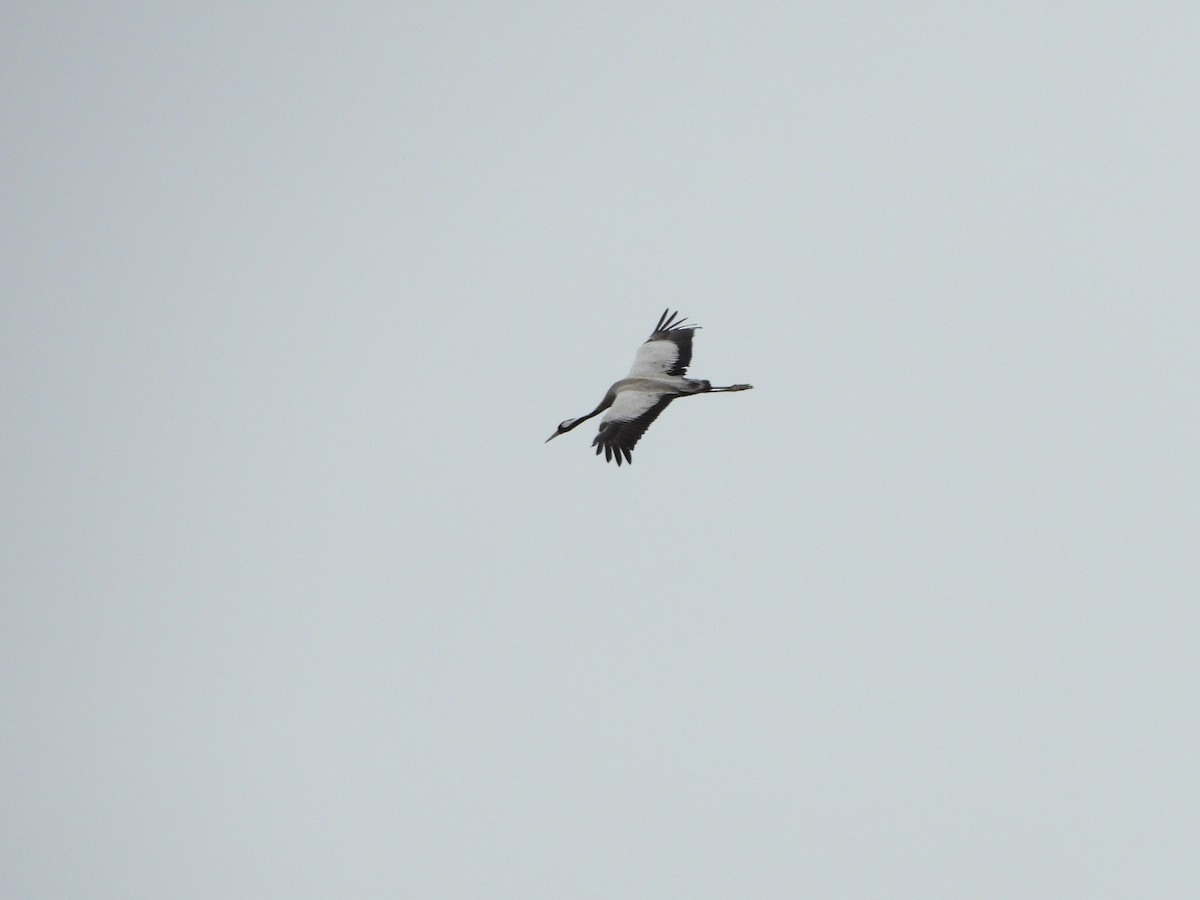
x=626, y=421
x=668, y=350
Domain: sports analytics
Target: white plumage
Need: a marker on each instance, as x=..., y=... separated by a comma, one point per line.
x=631, y=403
x=655, y=358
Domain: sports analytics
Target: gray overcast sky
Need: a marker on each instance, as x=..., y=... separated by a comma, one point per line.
x=296, y=603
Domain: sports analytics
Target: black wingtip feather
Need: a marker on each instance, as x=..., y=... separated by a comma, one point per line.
x=619, y=437
x=671, y=321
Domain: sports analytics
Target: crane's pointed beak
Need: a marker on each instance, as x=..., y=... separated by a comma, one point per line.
x=552, y=437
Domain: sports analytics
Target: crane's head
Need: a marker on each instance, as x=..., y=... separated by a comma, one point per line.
x=564, y=427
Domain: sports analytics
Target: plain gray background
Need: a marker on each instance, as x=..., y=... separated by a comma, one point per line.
x=296, y=603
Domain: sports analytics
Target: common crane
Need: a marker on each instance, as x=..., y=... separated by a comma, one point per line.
x=657, y=378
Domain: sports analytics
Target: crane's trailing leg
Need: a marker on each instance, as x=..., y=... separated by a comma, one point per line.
x=732, y=387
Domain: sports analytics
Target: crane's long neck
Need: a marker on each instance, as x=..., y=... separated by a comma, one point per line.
x=601, y=407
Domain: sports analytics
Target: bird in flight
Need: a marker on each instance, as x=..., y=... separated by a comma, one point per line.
x=657, y=378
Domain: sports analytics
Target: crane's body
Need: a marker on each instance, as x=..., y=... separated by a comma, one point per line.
x=657, y=378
